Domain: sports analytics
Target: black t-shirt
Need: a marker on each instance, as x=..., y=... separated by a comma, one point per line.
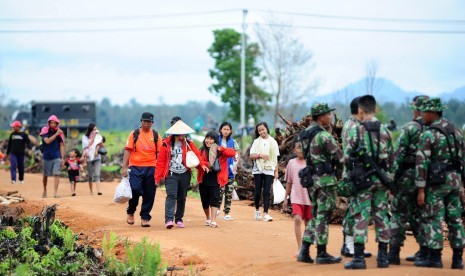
x=17, y=143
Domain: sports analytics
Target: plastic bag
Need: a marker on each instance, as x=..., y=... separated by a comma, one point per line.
x=123, y=192
x=234, y=195
x=279, y=193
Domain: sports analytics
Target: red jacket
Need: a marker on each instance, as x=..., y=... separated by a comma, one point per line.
x=222, y=176
x=164, y=157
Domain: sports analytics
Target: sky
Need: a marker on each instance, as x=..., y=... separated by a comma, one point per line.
x=164, y=59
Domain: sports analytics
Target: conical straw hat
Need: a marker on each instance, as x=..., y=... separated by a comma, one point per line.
x=180, y=128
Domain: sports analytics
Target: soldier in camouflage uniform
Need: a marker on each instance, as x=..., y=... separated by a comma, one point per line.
x=373, y=140
x=439, y=175
x=323, y=154
x=403, y=205
x=345, y=187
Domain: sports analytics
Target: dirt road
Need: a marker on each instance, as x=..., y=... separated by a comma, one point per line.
x=240, y=247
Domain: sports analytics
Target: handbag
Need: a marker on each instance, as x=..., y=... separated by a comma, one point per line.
x=192, y=160
x=102, y=150
x=123, y=192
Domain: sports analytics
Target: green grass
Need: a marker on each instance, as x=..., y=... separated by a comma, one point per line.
x=110, y=169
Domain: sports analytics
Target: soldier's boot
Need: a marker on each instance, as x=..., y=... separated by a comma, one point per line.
x=457, y=262
x=323, y=257
x=412, y=257
x=358, y=262
x=393, y=255
x=348, y=246
x=382, y=259
x=434, y=259
x=304, y=253
x=422, y=258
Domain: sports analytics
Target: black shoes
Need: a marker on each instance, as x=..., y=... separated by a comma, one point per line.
x=323, y=257
x=393, y=255
x=358, y=262
x=382, y=259
x=304, y=253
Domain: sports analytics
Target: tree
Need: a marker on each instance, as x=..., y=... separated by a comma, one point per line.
x=226, y=73
x=372, y=83
x=287, y=65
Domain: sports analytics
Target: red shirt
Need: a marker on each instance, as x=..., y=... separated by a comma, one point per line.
x=223, y=173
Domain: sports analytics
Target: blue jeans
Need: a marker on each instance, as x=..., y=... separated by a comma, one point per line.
x=176, y=193
x=142, y=184
x=17, y=161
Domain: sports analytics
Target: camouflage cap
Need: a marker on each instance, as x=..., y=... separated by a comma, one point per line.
x=320, y=108
x=433, y=104
x=418, y=102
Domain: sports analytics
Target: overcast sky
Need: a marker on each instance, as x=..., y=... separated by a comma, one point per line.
x=171, y=64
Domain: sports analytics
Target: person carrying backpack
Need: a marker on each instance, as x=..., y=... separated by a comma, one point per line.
x=140, y=156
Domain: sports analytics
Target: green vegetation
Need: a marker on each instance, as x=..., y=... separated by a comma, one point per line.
x=143, y=258
x=23, y=253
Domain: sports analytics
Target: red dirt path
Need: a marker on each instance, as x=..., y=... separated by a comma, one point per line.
x=240, y=247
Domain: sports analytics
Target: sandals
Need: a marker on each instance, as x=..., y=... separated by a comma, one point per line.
x=214, y=224
x=130, y=219
x=208, y=222
x=145, y=223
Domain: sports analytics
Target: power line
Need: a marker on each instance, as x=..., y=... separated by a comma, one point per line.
x=404, y=20
x=112, y=18
x=366, y=30
x=120, y=29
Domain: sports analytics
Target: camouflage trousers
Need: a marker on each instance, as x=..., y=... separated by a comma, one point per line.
x=373, y=200
x=443, y=202
x=323, y=203
x=348, y=222
x=227, y=192
x=404, y=209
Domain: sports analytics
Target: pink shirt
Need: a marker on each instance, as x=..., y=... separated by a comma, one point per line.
x=299, y=194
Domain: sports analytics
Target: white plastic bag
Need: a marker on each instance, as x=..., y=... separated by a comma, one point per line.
x=192, y=160
x=234, y=195
x=279, y=193
x=123, y=192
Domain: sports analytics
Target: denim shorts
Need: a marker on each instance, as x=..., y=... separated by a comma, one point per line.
x=52, y=167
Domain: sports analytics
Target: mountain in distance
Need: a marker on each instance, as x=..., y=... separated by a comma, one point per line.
x=385, y=91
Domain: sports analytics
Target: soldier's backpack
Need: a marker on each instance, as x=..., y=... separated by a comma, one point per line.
x=155, y=139
x=305, y=174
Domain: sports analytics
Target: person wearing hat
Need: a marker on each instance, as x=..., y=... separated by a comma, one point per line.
x=370, y=140
x=16, y=151
x=322, y=152
x=173, y=170
x=439, y=175
x=403, y=205
x=140, y=157
x=53, y=142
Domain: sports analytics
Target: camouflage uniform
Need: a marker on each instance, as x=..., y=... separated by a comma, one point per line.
x=348, y=221
x=403, y=205
x=323, y=153
x=376, y=196
x=441, y=200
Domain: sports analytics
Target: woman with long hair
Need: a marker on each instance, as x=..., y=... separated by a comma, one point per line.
x=91, y=141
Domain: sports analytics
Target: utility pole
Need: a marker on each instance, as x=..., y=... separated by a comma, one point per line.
x=244, y=27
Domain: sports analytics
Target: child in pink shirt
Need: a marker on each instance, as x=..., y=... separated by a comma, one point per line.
x=301, y=205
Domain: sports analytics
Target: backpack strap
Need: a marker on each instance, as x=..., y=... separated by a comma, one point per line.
x=309, y=135
x=446, y=134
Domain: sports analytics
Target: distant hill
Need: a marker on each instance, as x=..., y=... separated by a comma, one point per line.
x=387, y=91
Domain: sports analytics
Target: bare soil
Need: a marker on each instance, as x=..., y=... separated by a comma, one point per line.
x=240, y=247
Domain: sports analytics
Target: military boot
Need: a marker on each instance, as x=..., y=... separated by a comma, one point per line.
x=358, y=262
x=393, y=256
x=323, y=257
x=434, y=259
x=304, y=253
x=422, y=258
x=412, y=257
x=382, y=259
x=457, y=262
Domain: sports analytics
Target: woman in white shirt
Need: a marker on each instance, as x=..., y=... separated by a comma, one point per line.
x=90, y=142
x=264, y=152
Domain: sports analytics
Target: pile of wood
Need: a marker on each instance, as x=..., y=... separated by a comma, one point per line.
x=10, y=197
x=285, y=138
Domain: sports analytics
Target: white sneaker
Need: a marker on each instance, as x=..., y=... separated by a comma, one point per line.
x=267, y=218
x=13, y=181
x=21, y=182
x=258, y=216
x=228, y=217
